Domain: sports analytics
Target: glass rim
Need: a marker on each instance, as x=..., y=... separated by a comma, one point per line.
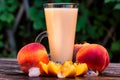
x=57, y=5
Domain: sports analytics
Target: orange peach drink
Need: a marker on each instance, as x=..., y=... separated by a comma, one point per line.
x=61, y=26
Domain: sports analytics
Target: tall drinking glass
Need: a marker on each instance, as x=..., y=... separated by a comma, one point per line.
x=61, y=21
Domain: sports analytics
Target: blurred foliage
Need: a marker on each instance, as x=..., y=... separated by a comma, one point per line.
x=98, y=22
x=7, y=10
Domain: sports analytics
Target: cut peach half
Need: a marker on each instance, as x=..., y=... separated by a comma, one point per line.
x=53, y=68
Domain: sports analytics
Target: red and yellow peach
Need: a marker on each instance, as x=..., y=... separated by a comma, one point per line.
x=95, y=55
x=30, y=56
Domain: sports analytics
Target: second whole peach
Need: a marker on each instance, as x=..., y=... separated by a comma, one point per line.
x=95, y=55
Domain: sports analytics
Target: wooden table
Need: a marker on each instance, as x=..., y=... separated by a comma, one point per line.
x=9, y=70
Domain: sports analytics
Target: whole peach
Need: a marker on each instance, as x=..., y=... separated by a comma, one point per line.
x=95, y=55
x=30, y=55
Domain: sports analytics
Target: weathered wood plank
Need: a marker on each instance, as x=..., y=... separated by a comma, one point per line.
x=112, y=70
x=10, y=70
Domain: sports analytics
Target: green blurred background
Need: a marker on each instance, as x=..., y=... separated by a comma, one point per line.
x=21, y=21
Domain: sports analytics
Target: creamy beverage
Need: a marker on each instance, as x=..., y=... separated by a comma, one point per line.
x=61, y=26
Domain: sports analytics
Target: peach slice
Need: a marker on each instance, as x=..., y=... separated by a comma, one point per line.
x=81, y=68
x=44, y=69
x=53, y=68
x=30, y=55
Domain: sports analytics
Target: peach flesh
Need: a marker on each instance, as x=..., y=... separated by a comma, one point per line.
x=95, y=55
x=30, y=55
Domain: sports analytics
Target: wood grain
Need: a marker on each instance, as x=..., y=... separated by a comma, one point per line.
x=10, y=70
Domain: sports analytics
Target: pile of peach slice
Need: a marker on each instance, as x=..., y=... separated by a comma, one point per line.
x=67, y=69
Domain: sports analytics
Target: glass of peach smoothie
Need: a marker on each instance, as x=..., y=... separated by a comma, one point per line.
x=61, y=21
